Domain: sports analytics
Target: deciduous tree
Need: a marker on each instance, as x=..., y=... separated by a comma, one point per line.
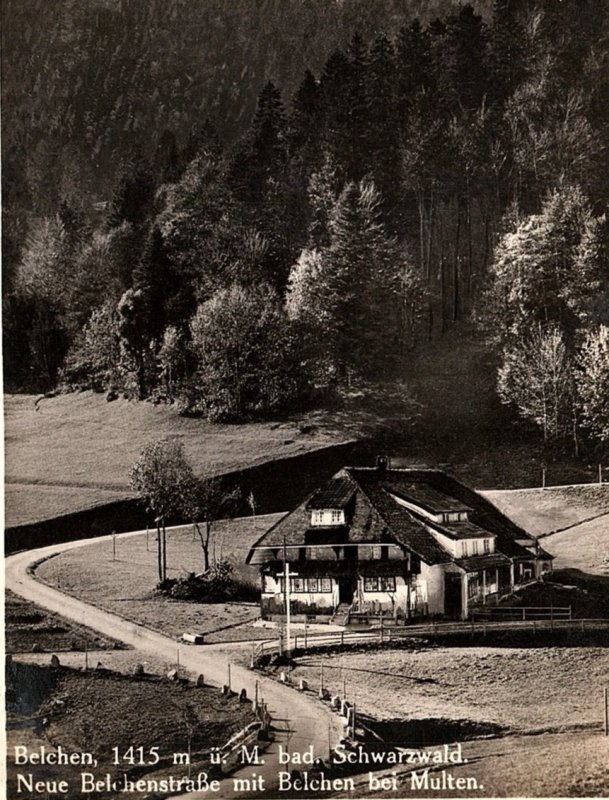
x=162, y=477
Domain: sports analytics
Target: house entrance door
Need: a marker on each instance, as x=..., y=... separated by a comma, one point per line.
x=346, y=588
x=453, y=605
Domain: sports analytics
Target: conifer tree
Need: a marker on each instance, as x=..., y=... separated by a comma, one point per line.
x=352, y=300
x=133, y=193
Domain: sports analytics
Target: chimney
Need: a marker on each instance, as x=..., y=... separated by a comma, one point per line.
x=382, y=462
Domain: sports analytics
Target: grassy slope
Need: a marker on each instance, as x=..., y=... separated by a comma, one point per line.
x=481, y=684
x=125, y=586
x=100, y=710
x=583, y=513
x=542, y=511
x=28, y=626
x=76, y=451
x=553, y=693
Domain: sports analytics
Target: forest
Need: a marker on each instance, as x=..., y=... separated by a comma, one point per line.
x=239, y=240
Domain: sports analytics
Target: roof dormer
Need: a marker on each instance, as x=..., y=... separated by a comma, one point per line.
x=427, y=502
x=327, y=517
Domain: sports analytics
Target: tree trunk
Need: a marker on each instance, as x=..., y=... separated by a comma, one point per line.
x=443, y=292
x=159, y=547
x=456, y=300
x=204, y=544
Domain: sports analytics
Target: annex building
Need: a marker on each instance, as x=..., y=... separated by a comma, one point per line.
x=406, y=543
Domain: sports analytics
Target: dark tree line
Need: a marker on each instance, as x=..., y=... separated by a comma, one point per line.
x=392, y=195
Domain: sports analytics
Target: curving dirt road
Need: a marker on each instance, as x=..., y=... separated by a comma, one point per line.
x=299, y=721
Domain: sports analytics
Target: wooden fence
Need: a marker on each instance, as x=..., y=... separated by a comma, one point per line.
x=524, y=613
x=303, y=642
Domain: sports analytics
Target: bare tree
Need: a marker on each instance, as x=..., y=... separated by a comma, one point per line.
x=535, y=377
x=205, y=501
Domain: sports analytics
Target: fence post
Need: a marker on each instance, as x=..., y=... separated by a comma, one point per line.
x=570, y=613
x=296, y=642
x=606, y=701
x=342, y=638
x=524, y=613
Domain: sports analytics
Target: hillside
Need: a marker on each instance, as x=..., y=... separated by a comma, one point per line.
x=82, y=81
x=75, y=452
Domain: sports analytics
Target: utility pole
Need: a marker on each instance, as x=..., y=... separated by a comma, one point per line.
x=286, y=575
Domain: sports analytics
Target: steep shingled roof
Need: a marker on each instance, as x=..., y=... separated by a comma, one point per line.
x=334, y=494
x=376, y=517
x=429, y=498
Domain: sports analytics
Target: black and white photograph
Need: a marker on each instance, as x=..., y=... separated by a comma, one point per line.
x=305, y=314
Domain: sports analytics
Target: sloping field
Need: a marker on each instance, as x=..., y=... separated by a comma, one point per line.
x=76, y=450
x=584, y=547
x=578, y=514
x=543, y=511
x=29, y=502
x=125, y=585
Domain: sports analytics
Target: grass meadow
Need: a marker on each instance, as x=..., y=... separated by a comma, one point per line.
x=125, y=584
x=76, y=450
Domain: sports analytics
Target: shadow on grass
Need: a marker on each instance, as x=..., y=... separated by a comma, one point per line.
x=400, y=732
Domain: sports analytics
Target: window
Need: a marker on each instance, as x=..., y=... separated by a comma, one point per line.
x=384, y=552
x=337, y=516
x=384, y=583
x=303, y=585
x=317, y=518
x=475, y=547
x=487, y=545
x=302, y=553
x=464, y=549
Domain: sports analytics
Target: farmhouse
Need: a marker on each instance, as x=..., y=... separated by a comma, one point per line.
x=402, y=542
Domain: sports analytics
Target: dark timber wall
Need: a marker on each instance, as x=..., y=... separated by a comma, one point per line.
x=277, y=486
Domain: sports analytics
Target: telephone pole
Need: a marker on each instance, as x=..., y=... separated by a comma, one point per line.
x=286, y=575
